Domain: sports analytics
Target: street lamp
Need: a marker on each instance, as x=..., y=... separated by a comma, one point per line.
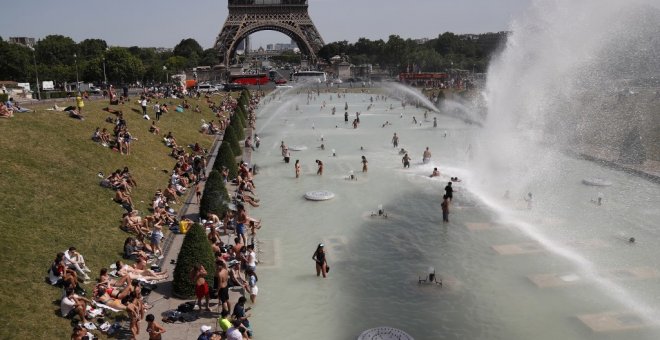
x=36, y=71
x=105, y=77
x=166, y=74
x=75, y=58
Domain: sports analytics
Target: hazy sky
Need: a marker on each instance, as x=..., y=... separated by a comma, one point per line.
x=163, y=23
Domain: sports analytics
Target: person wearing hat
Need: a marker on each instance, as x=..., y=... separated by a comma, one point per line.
x=205, y=333
x=321, y=263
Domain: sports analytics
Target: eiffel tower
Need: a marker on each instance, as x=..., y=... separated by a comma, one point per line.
x=285, y=16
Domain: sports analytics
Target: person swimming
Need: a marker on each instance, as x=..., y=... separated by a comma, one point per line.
x=435, y=173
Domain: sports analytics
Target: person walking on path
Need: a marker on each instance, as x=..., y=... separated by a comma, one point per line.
x=445, y=209
x=321, y=262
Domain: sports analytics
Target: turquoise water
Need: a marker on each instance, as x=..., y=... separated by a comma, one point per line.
x=375, y=262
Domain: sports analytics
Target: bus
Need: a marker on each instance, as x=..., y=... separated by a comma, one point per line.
x=249, y=79
x=309, y=77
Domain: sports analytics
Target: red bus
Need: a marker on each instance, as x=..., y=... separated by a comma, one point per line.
x=249, y=79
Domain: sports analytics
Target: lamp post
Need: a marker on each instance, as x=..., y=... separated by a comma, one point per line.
x=105, y=77
x=75, y=58
x=36, y=71
x=166, y=74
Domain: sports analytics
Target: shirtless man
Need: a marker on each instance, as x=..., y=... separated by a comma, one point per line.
x=395, y=140
x=222, y=277
x=426, y=156
x=435, y=173
x=198, y=276
x=297, y=168
x=406, y=161
x=241, y=222
x=213, y=219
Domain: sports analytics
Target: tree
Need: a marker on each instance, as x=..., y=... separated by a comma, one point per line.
x=215, y=196
x=92, y=48
x=176, y=63
x=122, y=66
x=230, y=137
x=227, y=159
x=209, y=57
x=15, y=62
x=56, y=50
x=190, y=50
x=195, y=250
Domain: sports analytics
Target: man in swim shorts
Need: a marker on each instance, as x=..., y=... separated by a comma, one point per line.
x=198, y=276
x=426, y=156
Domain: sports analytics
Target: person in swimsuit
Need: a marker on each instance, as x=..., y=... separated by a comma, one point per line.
x=321, y=263
x=445, y=209
x=346, y=117
x=320, y=170
x=406, y=161
x=449, y=191
x=435, y=173
x=153, y=328
x=241, y=220
x=426, y=156
x=222, y=277
x=364, y=164
x=198, y=276
x=395, y=141
x=297, y=167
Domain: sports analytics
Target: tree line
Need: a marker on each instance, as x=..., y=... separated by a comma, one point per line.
x=448, y=51
x=57, y=57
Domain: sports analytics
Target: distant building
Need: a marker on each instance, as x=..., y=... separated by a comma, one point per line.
x=25, y=41
x=422, y=41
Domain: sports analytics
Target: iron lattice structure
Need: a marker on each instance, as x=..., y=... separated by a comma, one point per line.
x=289, y=17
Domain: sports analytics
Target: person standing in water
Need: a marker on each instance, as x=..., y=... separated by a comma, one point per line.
x=321, y=262
x=449, y=191
x=445, y=209
x=346, y=117
x=435, y=122
x=395, y=140
x=530, y=200
x=320, y=170
x=364, y=164
x=426, y=156
x=406, y=161
x=297, y=168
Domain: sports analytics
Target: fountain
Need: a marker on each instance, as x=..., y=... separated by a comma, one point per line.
x=569, y=268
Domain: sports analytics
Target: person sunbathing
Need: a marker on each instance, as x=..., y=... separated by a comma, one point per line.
x=139, y=271
x=106, y=279
x=110, y=296
x=132, y=222
x=170, y=194
x=154, y=129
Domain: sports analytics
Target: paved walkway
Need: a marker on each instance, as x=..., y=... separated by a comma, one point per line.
x=161, y=299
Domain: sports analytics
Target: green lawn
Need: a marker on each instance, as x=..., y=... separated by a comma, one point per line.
x=51, y=199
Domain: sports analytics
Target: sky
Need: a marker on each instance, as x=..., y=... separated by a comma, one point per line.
x=164, y=23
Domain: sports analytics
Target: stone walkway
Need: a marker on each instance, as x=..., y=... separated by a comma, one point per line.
x=161, y=299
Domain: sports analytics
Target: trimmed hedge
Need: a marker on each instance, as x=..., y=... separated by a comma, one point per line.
x=196, y=249
x=236, y=127
x=226, y=158
x=231, y=138
x=214, y=197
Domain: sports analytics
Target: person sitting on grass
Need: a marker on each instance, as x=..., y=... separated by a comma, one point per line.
x=134, y=250
x=96, y=135
x=5, y=112
x=74, y=260
x=171, y=194
x=105, y=137
x=74, y=113
x=128, y=178
x=134, y=223
x=154, y=129
x=124, y=198
x=72, y=305
x=60, y=274
x=170, y=140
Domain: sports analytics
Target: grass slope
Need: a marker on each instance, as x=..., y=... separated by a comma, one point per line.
x=51, y=199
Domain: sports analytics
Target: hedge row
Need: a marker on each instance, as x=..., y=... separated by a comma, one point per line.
x=195, y=250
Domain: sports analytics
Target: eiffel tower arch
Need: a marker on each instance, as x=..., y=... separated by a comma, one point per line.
x=289, y=17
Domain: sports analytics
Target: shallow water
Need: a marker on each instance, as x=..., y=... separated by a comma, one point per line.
x=375, y=262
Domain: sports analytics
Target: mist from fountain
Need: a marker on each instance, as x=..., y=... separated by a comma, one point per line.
x=555, y=82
